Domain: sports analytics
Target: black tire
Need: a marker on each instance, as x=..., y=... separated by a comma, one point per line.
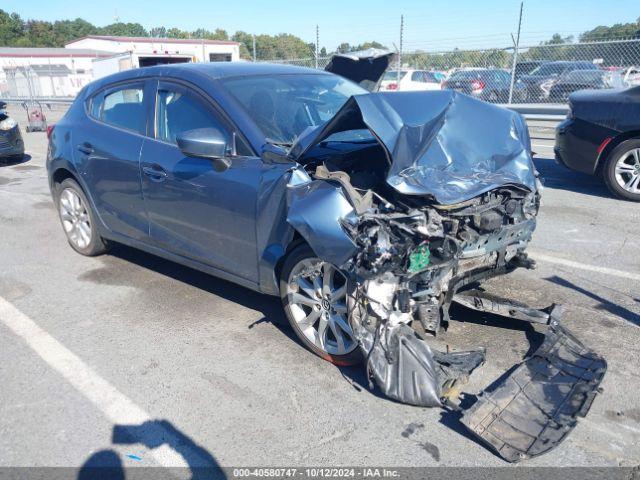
x=299, y=253
x=96, y=245
x=609, y=170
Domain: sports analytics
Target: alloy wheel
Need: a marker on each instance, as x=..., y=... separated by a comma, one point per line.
x=627, y=171
x=75, y=218
x=317, y=300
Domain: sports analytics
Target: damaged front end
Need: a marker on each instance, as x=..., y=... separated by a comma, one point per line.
x=442, y=196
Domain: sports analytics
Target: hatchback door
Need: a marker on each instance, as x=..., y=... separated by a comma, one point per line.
x=108, y=153
x=194, y=209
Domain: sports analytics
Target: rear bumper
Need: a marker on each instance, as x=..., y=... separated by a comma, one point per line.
x=577, y=144
x=11, y=143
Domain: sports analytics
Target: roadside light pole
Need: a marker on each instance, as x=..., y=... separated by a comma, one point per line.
x=400, y=50
x=515, y=56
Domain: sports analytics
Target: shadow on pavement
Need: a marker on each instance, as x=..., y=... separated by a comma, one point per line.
x=605, y=304
x=107, y=464
x=11, y=161
x=560, y=178
x=268, y=305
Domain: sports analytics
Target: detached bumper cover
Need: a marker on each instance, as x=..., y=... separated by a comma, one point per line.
x=534, y=408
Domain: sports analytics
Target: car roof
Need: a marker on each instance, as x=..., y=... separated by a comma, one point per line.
x=213, y=70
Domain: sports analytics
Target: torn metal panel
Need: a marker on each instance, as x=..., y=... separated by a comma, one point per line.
x=444, y=145
x=534, y=408
x=365, y=67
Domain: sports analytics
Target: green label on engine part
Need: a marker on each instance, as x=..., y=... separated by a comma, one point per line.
x=419, y=258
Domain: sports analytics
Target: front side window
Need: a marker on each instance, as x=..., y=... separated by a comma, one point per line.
x=122, y=107
x=179, y=110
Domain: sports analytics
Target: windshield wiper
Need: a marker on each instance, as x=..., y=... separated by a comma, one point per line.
x=279, y=143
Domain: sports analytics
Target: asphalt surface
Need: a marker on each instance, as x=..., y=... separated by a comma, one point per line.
x=87, y=344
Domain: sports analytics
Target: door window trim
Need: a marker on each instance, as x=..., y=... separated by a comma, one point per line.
x=143, y=82
x=234, y=133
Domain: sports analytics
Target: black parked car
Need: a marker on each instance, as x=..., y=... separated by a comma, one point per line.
x=583, y=80
x=525, y=68
x=491, y=85
x=11, y=144
x=601, y=136
x=538, y=84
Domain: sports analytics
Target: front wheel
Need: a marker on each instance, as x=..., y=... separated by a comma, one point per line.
x=622, y=170
x=315, y=298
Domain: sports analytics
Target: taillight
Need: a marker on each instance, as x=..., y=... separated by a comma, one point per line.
x=604, y=144
x=50, y=131
x=477, y=85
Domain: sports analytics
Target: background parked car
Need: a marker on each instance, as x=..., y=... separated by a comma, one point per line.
x=525, y=68
x=410, y=80
x=11, y=144
x=631, y=76
x=583, y=80
x=601, y=137
x=491, y=85
x=538, y=84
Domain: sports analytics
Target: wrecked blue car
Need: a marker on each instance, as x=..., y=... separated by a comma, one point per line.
x=367, y=213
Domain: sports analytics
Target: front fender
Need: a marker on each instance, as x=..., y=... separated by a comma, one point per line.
x=316, y=210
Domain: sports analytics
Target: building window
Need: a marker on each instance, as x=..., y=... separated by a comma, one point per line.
x=219, y=57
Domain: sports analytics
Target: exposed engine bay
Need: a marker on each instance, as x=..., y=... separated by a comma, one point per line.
x=408, y=255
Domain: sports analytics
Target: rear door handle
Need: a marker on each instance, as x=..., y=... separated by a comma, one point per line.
x=155, y=172
x=86, y=148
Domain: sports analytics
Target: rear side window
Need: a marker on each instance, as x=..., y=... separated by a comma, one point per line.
x=121, y=107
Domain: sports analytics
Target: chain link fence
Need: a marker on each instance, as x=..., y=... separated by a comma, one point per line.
x=539, y=74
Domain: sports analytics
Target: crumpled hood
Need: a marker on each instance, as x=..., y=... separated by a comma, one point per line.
x=443, y=144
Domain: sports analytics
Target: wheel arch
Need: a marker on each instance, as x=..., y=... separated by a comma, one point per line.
x=611, y=146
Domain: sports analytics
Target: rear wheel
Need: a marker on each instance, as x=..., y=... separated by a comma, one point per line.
x=314, y=295
x=78, y=220
x=622, y=170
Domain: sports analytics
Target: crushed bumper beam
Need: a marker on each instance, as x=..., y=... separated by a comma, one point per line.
x=534, y=408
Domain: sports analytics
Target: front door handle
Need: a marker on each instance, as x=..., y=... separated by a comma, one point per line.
x=155, y=172
x=86, y=148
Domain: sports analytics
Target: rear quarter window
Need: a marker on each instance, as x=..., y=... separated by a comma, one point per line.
x=121, y=107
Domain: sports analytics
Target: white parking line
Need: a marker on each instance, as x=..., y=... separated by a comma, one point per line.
x=116, y=406
x=584, y=266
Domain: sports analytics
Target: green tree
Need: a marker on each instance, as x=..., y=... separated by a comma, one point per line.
x=217, y=34
x=124, y=30
x=11, y=28
x=614, y=32
x=246, y=44
x=158, y=32
x=67, y=30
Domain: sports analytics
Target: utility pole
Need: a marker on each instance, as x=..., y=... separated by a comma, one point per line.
x=254, y=47
x=400, y=51
x=516, y=45
x=317, y=45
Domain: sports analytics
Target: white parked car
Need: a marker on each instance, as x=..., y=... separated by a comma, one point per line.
x=631, y=76
x=410, y=80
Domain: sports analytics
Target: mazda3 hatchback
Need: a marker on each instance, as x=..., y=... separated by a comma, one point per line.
x=299, y=183
x=367, y=213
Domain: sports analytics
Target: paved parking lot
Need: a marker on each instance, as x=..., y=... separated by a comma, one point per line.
x=209, y=371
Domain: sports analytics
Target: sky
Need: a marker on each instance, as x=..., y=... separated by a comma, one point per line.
x=428, y=24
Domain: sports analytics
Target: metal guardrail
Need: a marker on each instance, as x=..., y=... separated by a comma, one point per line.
x=43, y=100
x=531, y=111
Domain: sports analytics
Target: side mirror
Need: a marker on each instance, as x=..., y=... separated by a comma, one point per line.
x=205, y=143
